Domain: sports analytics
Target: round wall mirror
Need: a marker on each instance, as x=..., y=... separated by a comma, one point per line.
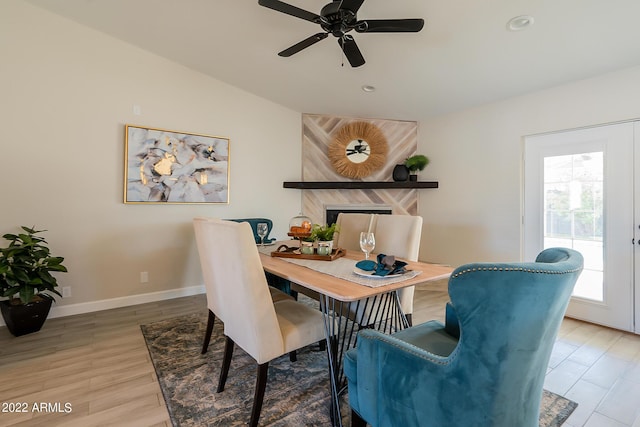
x=358, y=149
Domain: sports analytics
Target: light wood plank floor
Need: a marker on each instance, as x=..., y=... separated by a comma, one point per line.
x=99, y=365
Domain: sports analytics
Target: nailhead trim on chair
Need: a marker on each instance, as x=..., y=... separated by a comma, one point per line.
x=440, y=360
x=417, y=351
x=528, y=270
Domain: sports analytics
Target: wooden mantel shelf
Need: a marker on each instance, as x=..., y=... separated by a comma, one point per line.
x=357, y=185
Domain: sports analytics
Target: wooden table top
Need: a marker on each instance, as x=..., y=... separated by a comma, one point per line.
x=344, y=290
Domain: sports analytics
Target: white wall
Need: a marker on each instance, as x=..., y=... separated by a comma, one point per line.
x=66, y=94
x=476, y=155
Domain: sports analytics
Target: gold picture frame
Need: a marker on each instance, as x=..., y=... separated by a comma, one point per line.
x=168, y=167
x=358, y=149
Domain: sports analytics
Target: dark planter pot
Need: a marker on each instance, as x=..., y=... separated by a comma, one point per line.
x=413, y=177
x=400, y=173
x=25, y=319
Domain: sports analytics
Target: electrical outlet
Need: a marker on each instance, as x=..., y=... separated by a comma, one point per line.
x=66, y=291
x=144, y=277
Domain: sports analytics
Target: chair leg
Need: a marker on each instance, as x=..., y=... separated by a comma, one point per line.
x=293, y=357
x=226, y=362
x=258, y=397
x=207, y=334
x=356, y=420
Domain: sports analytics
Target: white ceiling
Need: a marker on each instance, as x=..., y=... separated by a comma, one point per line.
x=463, y=57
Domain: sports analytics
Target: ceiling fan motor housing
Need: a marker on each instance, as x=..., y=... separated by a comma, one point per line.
x=336, y=20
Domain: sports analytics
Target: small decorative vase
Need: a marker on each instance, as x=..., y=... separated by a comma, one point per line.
x=306, y=248
x=400, y=173
x=413, y=177
x=325, y=248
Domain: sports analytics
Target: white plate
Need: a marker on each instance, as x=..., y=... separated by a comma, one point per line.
x=369, y=274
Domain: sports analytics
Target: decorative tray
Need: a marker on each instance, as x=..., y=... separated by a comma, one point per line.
x=285, y=251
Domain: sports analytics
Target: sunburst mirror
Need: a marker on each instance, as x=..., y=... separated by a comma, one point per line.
x=358, y=149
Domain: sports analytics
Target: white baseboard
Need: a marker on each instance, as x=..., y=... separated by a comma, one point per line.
x=106, y=304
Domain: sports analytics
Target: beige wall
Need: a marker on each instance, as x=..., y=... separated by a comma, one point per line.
x=476, y=155
x=67, y=91
x=66, y=94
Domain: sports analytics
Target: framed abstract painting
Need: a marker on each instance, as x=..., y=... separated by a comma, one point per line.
x=163, y=166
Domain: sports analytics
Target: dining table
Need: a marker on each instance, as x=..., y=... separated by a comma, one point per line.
x=350, y=299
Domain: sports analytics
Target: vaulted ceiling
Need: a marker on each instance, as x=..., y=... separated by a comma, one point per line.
x=464, y=56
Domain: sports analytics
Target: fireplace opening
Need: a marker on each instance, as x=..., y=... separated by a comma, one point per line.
x=332, y=211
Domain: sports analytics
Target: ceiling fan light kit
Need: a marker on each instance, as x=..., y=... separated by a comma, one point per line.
x=338, y=18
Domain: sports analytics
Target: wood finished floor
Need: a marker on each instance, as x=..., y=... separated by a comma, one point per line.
x=99, y=364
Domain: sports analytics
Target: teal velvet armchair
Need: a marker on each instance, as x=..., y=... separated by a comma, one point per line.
x=253, y=222
x=484, y=367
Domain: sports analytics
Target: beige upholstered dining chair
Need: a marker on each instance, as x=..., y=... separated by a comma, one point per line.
x=240, y=297
x=350, y=225
x=276, y=294
x=397, y=235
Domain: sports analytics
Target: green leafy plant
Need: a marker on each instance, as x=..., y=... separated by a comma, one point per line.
x=26, y=266
x=416, y=163
x=323, y=232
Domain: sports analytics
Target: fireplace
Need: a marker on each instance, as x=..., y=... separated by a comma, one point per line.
x=332, y=211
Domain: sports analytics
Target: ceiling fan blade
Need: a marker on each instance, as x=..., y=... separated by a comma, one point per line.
x=351, y=51
x=389, y=25
x=352, y=5
x=290, y=10
x=303, y=44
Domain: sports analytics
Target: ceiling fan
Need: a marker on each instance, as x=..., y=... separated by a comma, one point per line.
x=338, y=18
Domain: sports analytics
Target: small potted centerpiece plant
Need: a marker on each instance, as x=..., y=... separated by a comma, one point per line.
x=415, y=164
x=324, y=235
x=26, y=280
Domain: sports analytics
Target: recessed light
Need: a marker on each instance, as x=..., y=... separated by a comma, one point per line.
x=520, y=23
x=368, y=88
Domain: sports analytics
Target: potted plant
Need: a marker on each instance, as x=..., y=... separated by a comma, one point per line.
x=26, y=280
x=324, y=235
x=414, y=164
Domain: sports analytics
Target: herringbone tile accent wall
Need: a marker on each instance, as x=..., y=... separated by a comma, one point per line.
x=317, y=134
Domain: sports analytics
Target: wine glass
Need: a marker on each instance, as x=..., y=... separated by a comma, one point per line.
x=367, y=243
x=262, y=229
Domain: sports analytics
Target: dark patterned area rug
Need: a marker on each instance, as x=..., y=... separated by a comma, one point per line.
x=297, y=393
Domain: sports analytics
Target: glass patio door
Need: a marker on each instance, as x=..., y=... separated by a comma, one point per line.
x=579, y=193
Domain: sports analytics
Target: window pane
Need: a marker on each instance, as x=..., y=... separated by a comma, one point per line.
x=573, y=203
